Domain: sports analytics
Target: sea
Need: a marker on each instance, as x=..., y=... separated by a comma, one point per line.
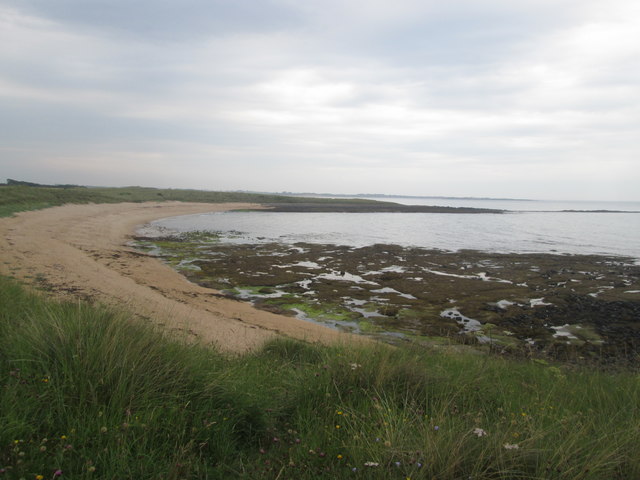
x=528, y=226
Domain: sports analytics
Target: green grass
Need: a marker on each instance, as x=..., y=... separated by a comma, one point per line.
x=86, y=391
x=18, y=198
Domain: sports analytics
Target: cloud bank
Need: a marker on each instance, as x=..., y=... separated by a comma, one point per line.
x=531, y=99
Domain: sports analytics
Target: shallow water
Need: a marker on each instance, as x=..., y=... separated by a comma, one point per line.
x=516, y=232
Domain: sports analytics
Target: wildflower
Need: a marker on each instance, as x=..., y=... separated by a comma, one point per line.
x=511, y=446
x=337, y=427
x=339, y=457
x=63, y=437
x=354, y=469
x=43, y=448
x=39, y=477
x=371, y=464
x=57, y=473
x=339, y=412
x=355, y=366
x=418, y=464
x=436, y=428
x=91, y=469
x=479, y=432
x=397, y=464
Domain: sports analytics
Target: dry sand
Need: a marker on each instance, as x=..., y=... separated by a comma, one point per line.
x=81, y=251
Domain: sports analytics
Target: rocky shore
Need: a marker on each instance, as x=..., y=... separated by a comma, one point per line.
x=563, y=306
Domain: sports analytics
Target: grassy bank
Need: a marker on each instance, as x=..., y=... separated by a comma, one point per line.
x=86, y=393
x=18, y=198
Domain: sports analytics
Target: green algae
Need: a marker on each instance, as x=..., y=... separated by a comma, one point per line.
x=367, y=326
x=316, y=311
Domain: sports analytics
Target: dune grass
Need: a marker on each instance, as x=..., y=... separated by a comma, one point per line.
x=87, y=393
x=19, y=198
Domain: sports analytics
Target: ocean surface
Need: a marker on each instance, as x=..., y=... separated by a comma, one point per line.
x=528, y=227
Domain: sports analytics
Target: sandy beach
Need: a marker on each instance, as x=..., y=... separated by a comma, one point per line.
x=82, y=252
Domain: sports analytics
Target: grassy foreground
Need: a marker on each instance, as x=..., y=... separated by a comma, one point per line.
x=86, y=394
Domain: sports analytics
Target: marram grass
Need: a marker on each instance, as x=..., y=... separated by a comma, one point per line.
x=85, y=393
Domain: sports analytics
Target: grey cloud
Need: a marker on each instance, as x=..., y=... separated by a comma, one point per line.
x=164, y=20
x=317, y=86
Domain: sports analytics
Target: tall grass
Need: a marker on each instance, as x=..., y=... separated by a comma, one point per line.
x=87, y=392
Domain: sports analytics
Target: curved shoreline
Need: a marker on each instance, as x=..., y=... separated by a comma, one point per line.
x=81, y=251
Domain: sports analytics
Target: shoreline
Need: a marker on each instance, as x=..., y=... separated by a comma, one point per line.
x=81, y=252
x=85, y=252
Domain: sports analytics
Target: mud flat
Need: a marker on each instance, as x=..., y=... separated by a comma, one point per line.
x=537, y=304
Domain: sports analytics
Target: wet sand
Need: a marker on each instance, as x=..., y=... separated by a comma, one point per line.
x=82, y=252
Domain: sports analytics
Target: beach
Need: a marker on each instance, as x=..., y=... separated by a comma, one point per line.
x=82, y=252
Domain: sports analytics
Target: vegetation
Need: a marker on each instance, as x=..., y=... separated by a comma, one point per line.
x=85, y=393
x=21, y=196
x=18, y=196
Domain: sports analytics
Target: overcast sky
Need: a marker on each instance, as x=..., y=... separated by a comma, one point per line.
x=488, y=98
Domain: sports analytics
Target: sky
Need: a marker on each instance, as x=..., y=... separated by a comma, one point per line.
x=484, y=98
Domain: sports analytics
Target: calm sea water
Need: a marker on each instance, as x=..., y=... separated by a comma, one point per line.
x=538, y=227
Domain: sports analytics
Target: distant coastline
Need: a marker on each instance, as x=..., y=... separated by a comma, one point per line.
x=390, y=196
x=377, y=207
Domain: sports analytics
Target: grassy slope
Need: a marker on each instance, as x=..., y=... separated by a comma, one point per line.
x=85, y=391
x=20, y=198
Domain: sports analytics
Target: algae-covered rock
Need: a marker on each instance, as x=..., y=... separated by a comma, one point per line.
x=512, y=300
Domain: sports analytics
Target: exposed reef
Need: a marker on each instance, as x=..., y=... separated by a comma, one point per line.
x=361, y=206
x=538, y=304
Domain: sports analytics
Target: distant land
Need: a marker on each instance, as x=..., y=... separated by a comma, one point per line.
x=17, y=195
x=385, y=196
